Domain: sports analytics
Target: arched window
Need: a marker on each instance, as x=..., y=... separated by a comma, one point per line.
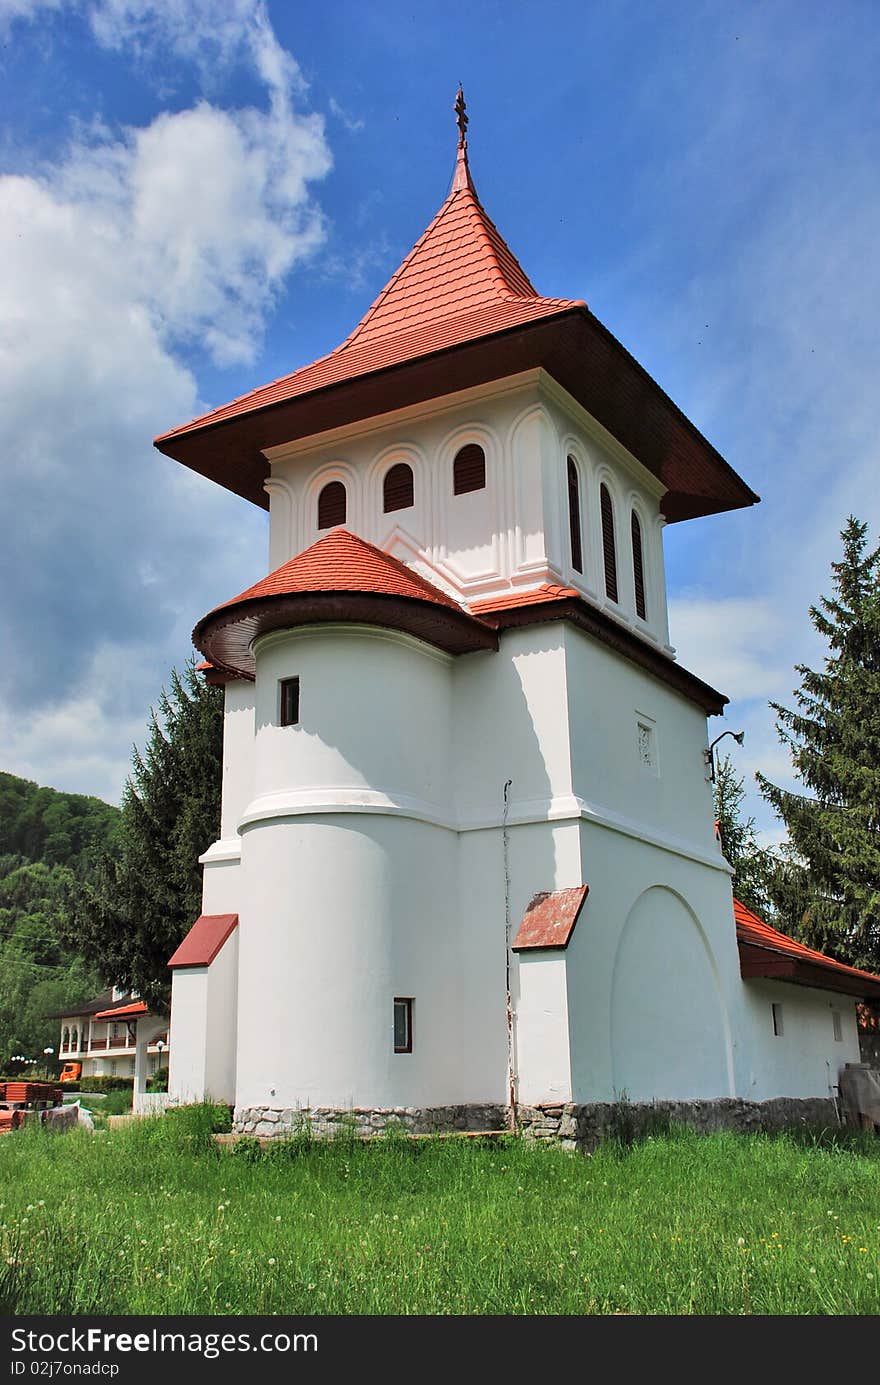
x=638, y=568
x=397, y=488
x=74, y=1040
x=331, y=505
x=609, y=553
x=469, y=469
x=574, y=516
x=65, y=1040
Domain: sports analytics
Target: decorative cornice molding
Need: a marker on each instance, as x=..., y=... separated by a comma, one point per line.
x=342, y=800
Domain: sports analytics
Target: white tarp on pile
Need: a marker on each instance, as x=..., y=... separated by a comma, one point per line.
x=860, y=1091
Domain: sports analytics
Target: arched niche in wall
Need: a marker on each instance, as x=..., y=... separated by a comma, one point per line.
x=282, y=516
x=324, y=477
x=670, y=1036
x=469, y=519
x=385, y=480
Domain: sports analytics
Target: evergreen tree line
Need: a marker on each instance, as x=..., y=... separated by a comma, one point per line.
x=823, y=884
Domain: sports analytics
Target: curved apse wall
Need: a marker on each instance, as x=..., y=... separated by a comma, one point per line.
x=669, y=1031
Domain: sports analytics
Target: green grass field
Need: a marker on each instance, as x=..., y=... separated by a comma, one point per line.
x=154, y=1218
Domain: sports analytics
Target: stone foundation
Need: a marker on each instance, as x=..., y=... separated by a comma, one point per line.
x=576, y=1126
x=585, y=1126
x=326, y=1121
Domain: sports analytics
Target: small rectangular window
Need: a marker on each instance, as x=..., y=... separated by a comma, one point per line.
x=403, y=1034
x=777, y=1019
x=289, y=701
x=837, y=1026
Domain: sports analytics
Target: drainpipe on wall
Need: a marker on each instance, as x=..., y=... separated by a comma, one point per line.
x=832, y=1093
x=505, y=844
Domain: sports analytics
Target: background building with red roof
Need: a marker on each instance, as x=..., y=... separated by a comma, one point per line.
x=113, y=1035
x=467, y=854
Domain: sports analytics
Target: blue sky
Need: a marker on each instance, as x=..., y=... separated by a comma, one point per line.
x=196, y=197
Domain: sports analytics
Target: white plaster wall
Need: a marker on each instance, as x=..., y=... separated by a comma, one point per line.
x=374, y=715
x=221, y=1022
x=510, y=722
x=511, y=535
x=653, y=974
x=494, y=892
x=608, y=698
x=345, y=912
x=806, y=1057
x=483, y=992
x=187, y=1066
x=668, y=1038
x=238, y=741
x=221, y=880
x=542, y=1052
x=203, y=1028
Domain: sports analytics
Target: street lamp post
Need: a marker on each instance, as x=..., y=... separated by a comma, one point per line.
x=709, y=755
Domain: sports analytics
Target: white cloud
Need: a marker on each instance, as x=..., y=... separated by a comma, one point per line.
x=354, y=124
x=12, y=10
x=199, y=31
x=83, y=736
x=132, y=247
x=731, y=642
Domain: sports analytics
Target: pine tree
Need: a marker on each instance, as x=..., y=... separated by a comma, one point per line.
x=831, y=895
x=752, y=865
x=148, y=888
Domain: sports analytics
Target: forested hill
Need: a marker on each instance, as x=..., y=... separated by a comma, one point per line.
x=46, y=825
x=48, y=843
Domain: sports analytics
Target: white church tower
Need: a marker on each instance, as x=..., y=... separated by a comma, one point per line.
x=467, y=857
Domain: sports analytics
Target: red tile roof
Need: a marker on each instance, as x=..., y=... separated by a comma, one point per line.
x=459, y=282
x=123, y=1012
x=753, y=932
x=340, y=578
x=342, y=562
x=204, y=940
x=549, y=919
x=511, y=600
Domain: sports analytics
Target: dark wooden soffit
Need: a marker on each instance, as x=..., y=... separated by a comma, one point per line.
x=594, y=622
x=762, y=962
x=573, y=347
x=225, y=636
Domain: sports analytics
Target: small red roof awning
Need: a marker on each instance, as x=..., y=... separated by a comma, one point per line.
x=204, y=940
x=765, y=952
x=123, y=1012
x=550, y=919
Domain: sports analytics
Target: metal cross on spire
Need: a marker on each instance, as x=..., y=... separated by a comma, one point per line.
x=462, y=177
x=461, y=118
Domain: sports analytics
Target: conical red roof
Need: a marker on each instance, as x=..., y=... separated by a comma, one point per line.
x=459, y=282
x=339, y=578
x=461, y=312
